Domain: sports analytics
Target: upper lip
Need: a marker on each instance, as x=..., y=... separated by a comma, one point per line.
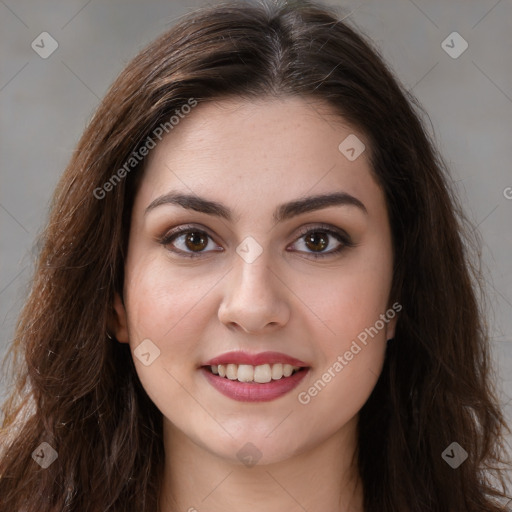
x=241, y=357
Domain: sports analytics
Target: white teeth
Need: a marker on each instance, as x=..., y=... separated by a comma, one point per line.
x=277, y=371
x=245, y=373
x=231, y=371
x=287, y=370
x=261, y=374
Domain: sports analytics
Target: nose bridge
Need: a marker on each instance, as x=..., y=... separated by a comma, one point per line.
x=253, y=297
x=252, y=277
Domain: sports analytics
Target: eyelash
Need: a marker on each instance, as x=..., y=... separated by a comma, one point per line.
x=340, y=236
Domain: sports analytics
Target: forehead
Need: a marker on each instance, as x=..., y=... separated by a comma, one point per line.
x=241, y=150
x=268, y=127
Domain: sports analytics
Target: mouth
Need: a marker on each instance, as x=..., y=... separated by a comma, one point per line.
x=254, y=377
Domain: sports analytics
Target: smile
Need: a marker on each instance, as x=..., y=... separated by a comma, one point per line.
x=254, y=377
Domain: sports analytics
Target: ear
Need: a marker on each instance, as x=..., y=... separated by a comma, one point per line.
x=392, y=314
x=119, y=324
x=390, y=328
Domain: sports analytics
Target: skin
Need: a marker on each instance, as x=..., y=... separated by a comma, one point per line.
x=253, y=156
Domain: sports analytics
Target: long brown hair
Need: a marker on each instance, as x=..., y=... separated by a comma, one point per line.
x=78, y=390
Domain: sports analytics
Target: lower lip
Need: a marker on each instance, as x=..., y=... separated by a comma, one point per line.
x=252, y=391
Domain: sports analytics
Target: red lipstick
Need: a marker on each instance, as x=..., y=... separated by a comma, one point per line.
x=254, y=391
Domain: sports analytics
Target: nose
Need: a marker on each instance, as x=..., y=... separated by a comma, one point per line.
x=255, y=299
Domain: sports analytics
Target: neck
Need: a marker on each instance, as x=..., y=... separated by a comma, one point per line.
x=324, y=477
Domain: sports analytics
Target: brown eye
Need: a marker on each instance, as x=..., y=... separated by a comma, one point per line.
x=196, y=240
x=188, y=241
x=317, y=240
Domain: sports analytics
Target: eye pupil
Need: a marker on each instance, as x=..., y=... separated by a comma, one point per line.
x=314, y=239
x=194, y=239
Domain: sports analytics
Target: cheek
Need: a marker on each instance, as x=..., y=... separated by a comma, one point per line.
x=349, y=300
x=165, y=307
x=161, y=301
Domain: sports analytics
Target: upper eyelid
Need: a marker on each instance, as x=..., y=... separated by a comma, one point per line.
x=301, y=230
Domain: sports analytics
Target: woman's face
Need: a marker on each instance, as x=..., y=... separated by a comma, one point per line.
x=269, y=274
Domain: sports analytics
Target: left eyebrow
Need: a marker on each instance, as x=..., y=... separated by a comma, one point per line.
x=283, y=212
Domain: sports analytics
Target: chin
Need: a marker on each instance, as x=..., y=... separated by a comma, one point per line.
x=249, y=449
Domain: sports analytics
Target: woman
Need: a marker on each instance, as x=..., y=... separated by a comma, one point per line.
x=254, y=292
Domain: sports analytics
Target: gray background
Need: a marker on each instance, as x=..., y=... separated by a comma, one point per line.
x=46, y=103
